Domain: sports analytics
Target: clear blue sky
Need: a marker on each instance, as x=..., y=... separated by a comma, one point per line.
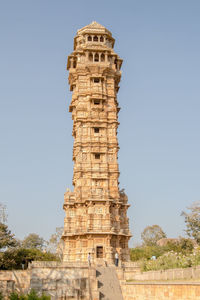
x=159, y=131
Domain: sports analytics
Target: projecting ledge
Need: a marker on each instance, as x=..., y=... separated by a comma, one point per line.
x=95, y=233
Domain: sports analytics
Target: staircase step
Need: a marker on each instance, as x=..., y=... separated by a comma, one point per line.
x=108, y=283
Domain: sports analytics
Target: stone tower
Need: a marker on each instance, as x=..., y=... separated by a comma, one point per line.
x=96, y=211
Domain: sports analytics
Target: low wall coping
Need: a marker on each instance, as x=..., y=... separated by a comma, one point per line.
x=161, y=283
x=56, y=265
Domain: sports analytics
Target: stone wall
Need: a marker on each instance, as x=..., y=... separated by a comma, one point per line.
x=60, y=281
x=6, y=287
x=128, y=270
x=14, y=280
x=183, y=290
x=160, y=291
x=69, y=281
x=171, y=274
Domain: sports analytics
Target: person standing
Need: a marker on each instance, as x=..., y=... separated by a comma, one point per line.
x=89, y=259
x=23, y=264
x=116, y=259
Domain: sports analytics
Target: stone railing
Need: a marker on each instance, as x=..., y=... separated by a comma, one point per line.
x=171, y=274
x=132, y=271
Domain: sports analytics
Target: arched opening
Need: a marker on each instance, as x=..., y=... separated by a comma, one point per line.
x=74, y=64
x=90, y=57
x=95, y=39
x=96, y=102
x=102, y=57
x=96, y=57
x=97, y=156
x=99, y=252
x=101, y=39
x=115, y=62
x=73, y=87
x=89, y=38
x=96, y=80
x=96, y=129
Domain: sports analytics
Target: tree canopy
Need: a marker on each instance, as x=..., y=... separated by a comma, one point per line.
x=152, y=234
x=6, y=237
x=192, y=221
x=12, y=259
x=55, y=243
x=3, y=213
x=33, y=241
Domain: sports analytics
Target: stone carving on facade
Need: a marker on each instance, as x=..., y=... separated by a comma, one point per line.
x=96, y=211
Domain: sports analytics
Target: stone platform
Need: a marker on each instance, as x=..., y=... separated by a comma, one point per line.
x=79, y=281
x=64, y=281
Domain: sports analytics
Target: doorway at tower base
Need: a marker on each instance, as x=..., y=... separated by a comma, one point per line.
x=97, y=249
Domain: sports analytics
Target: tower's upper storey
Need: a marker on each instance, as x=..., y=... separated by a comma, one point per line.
x=92, y=35
x=93, y=46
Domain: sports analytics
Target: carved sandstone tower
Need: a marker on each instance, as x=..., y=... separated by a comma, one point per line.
x=96, y=211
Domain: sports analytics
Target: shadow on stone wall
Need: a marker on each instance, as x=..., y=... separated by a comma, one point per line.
x=55, y=279
x=60, y=283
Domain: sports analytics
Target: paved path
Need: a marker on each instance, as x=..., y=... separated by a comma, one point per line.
x=108, y=284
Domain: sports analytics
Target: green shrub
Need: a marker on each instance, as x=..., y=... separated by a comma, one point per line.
x=45, y=297
x=184, y=246
x=1, y=295
x=179, y=254
x=32, y=295
x=146, y=252
x=171, y=260
x=14, y=296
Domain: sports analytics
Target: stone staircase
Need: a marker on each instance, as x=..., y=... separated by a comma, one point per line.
x=108, y=283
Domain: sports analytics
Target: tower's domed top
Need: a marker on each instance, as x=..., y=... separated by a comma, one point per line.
x=95, y=24
x=94, y=27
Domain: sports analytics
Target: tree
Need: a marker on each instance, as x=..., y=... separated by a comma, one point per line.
x=33, y=241
x=13, y=259
x=3, y=213
x=6, y=238
x=55, y=243
x=152, y=234
x=192, y=221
